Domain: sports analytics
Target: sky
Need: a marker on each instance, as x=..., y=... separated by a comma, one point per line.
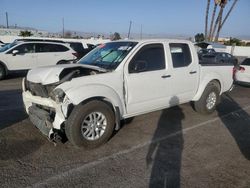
x=173, y=17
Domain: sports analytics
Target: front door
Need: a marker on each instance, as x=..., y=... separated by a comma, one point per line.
x=147, y=80
x=24, y=59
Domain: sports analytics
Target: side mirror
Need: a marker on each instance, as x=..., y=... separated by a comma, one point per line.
x=14, y=52
x=138, y=66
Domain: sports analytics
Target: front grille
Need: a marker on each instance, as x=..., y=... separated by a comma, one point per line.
x=36, y=89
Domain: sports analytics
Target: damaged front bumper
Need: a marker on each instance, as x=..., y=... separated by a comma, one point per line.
x=46, y=114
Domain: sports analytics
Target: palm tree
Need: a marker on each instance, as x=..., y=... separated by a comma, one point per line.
x=222, y=4
x=224, y=20
x=206, y=20
x=212, y=21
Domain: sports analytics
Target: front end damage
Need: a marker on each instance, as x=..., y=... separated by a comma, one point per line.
x=46, y=104
x=46, y=114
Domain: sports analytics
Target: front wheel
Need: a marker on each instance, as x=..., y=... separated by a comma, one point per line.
x=209, y=99
x=90, y=125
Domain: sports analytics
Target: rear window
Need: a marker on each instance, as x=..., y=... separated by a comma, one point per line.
x=77, y=46
x=181, y=56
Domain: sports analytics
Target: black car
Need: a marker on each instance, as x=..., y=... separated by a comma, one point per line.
x=205, y=51
x=218, y=58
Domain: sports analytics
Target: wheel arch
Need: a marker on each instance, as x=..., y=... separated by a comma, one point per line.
x=5, y=67
x=203, y=86
x=101, y=93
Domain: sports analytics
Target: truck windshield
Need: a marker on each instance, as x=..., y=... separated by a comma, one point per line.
x=108, y=55
x=7, y=46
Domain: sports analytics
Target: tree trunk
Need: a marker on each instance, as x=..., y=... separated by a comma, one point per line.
x=225, y=19
x=219, y=26
x=212, y=22
x=206, y=21
x=216, y=23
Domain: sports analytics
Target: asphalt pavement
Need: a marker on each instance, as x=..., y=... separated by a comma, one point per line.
x=176, y=147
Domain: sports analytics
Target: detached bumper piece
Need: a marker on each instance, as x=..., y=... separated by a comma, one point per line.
x=41, y=119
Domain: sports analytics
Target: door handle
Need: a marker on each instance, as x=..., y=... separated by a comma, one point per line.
x=166, y=76
x=192, y=72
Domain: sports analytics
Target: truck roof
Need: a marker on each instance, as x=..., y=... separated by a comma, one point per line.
x=155, y=40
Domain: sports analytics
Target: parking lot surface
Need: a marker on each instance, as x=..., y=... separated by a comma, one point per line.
x=175, y=147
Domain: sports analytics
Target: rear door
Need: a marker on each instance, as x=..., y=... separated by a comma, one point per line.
x=51, y=54
x=25, y=58
x=147, y=80
x=185, y=69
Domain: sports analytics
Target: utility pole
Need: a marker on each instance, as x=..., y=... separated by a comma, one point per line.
x=130, y=23
x=7, y=19
x=141, y=32
x=63, y=27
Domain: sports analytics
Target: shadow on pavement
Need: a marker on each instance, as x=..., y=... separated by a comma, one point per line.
x=11, y=108
x=165, y=151
x=238, y=123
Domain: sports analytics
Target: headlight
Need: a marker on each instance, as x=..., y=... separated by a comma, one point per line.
x=57, y=95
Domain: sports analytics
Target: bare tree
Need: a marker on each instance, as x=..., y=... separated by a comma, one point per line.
x=206, y=20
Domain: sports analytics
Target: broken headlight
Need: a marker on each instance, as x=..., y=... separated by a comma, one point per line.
x=57, y=95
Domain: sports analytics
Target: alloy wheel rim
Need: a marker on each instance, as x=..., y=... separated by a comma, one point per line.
x=211, y=100
x=93, y=126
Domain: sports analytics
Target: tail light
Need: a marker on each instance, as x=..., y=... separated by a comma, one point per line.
x=76, y=54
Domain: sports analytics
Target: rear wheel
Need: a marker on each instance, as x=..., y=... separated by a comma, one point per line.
x=209, y=99
x=2, y=72
x=90, y=125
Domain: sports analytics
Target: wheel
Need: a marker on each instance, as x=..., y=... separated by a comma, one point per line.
x=209, y=99
x=90, y=125
x=2, y=72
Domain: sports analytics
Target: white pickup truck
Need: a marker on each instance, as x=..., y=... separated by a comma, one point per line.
x=119, y=80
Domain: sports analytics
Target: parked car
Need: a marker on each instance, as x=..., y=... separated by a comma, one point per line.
x=205, y=51
x=79, y=48
x=218, y=58
x=24, y=55
x=75, y=45
x=119, y=80
x=242, y=73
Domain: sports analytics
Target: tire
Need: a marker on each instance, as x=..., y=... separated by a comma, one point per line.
x=209, y=99
x=2, y=72
x=79, y=124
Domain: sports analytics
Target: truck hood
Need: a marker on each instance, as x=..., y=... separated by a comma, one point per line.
x=54, y=74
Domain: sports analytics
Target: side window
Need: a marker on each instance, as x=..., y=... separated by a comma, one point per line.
x=181, y=56
x=149, y=58
x=60, y=48
x=25, y=48
x=43, y=48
